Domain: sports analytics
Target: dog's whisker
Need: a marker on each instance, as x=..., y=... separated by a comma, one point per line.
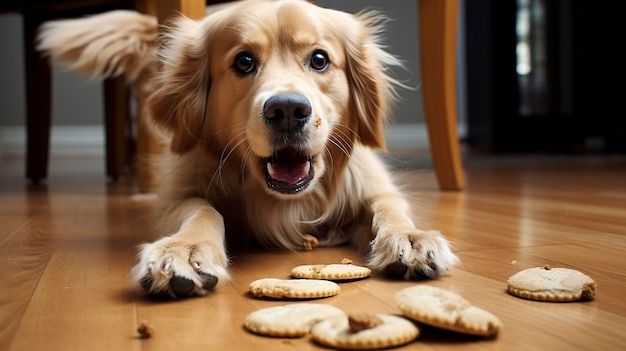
x=223, y=162
x=341, y=141
x=227, y=151
x=225, y=155
x=352, y=131
x=248, y=154
x=341, y=138
x=331, y=162
x=341, y=144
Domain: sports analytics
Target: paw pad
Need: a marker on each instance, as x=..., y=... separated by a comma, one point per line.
x=209, y=281
x=181, y=286
x=396, y=270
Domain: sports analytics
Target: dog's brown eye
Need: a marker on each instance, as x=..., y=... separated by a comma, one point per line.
x=319, y=61
x=245, y=63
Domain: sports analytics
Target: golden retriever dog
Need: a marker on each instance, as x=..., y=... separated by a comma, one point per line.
x=274, y=112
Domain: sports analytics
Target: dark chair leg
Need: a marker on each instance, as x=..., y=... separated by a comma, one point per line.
x=116, y=115
x=38, y=102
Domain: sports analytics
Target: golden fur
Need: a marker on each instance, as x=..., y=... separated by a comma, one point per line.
x=240, y=168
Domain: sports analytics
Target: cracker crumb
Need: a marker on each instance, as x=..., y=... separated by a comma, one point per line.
x=318, y=122
x=145, y=330
x=589, y=291
x=310, y=242
x=514, y=262
x=318, y=268
x=362, y=321
x=547, y=267
x=346, y=261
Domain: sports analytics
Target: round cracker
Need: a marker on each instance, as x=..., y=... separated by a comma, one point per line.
x=293, y=288
x=335, y=332
x=289, y=321
x=552, y=284
x=331, y=271
x=444, y=309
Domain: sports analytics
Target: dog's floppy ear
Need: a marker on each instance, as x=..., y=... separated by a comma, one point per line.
x=371, y=87
x=179, y=103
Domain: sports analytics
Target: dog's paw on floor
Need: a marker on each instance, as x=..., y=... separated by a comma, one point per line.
x=414, y=256
x=168, y=268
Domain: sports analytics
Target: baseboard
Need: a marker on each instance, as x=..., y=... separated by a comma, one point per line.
x=64, y=141
x=403, y=137
x=89, y=140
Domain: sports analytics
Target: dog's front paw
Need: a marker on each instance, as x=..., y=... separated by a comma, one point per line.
x=169, y=267
x=414, y=255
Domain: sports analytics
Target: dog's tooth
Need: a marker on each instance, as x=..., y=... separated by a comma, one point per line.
x=270, y=168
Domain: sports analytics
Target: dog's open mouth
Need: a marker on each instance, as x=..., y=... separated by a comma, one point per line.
x=288, y=170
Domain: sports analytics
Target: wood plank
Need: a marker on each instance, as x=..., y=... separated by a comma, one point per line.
x=66, y=250
x=24, y=254
x=82, y=302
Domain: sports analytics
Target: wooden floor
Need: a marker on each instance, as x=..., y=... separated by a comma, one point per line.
x=66, y=248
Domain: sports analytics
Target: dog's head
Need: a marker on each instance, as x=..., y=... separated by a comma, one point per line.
x=284, y=87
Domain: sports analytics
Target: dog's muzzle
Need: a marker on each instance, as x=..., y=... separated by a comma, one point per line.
x=290, y=169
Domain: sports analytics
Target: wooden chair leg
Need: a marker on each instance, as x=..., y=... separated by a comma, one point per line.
x=438, y=31
x=38, y=98
x=194, y=9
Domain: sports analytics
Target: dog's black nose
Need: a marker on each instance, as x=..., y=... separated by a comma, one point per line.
x=287, y=110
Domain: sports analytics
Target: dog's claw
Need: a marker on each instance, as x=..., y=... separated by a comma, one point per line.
x=209, y=281
x=431, y=261
x=146, y=282
x=396, y=270
x=182, y=286
x=420, y=274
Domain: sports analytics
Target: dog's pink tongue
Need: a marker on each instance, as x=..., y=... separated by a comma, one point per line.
x=288, y=173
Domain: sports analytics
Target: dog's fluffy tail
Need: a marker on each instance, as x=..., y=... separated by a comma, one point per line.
x=106, y=45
